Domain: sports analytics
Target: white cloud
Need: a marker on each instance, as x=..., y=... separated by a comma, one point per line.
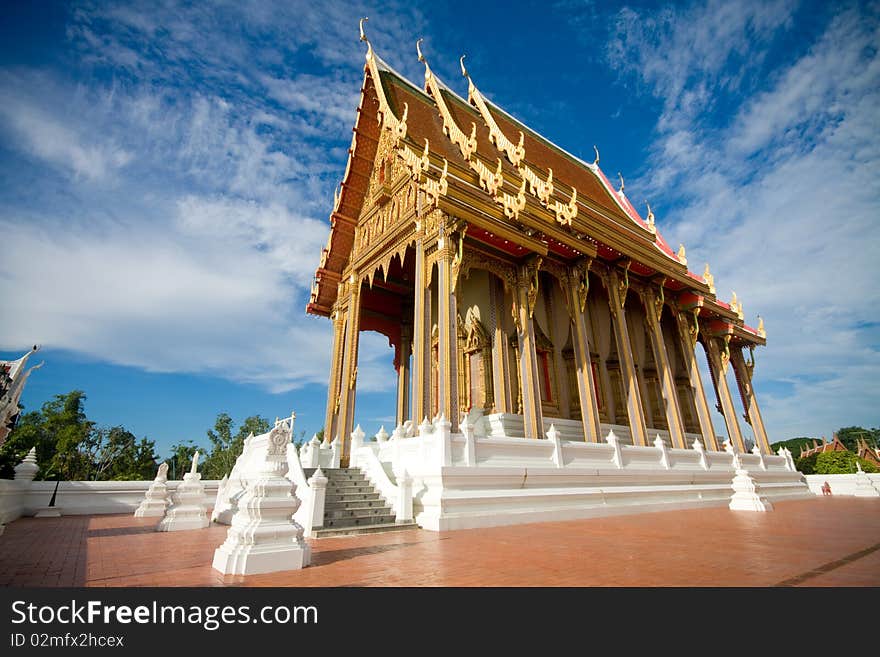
x=777, y=190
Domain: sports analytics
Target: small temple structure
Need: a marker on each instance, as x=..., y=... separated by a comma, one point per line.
x=13, y=375
x=516, y=283
x=863, y=450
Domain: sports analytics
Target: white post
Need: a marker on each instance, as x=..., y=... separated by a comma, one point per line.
x=334, y=453
x=424, y=432
x=404, y=498
x=381, y=435
x=698, y=446
x=553, y=437
x=396, y=438
x=357, y=441
x=470, y=446
x=318, y=487
x=444, y=440
x=614, y=441
x=28, y=468
x=314, y=453
x=664, y=452
x=757, y=452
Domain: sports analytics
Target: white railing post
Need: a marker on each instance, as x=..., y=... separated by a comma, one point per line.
x=357, y=441
x=757, y=452
x=470, y=443
x=318, y=489
x=698, y=446
x=664, y=452
x=553, y=437
x=614, y=441
x=424, y=433
x=381, y=435
x=27, y=469
x=404, y=498
x=444, y=440
x=334, y=453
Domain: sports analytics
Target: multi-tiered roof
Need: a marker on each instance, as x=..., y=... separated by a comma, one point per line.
x=519, y=192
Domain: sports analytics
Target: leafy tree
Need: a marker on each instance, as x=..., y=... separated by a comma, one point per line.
x=70, y=446
x=807, y=464
x=226, y=446
x=841, y=463
x=181, y=458
x=849, y=436
x=793, y=445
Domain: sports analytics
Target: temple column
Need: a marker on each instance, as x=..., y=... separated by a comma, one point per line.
x=336, y=358
x=578, y=287
x=403, y=376
x=500, y=358
x=421, y=369
x=718, y=361
x=524, y=306
x=348, y=384
x=653, y=312
x=447, y=317
x=743, y=372
x=687, y=335
x=617, y=290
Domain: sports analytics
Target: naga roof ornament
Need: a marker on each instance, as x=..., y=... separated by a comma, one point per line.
x=651, y=226
x=682, y=255
x=709, y=279
x=466, y=144
x=397, y=126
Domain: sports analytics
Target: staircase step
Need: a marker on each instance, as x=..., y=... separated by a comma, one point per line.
x=349, y=504
x=352, y=497
x=328, y=532
x=358, y=521
x=357, y=512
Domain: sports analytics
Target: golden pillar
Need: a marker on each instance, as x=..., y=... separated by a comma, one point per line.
x=348, y=384
x=447, y=318
x=403, y=375
x=336, y=358
x=523, y=309
x=653, y=313
x=578, y=287
x=719, y=358
x=500, y=346
x=687, y=335
x=617, y=290
x=743, y=372
x=421, y=368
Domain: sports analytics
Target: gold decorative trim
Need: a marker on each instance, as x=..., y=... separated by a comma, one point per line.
x=650, y=219
x=459, y=256
x=682, y=255
x=623, y=282
x=434, y=189
x=565, y=213
x=490, y=180
x=761, y=331
x=417, y=164
x=532, y=268
x=709, y=279
x=582, y=279
x=514, y=153
x=389, y=120
x=467, y=145
x=538, y=188
x=513, y=205
x=660, y=300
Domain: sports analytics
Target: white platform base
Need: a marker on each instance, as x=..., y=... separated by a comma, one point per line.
x=746, y=497
x=253, y=560
x=864, y=487
x=48, y=512
x=176, y=524
x=150, y=510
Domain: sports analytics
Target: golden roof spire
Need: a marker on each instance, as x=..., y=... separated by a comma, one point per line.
x=709, y=279
x=650, y=218
x=364, y=36
x=761, y=331
x=682, y=255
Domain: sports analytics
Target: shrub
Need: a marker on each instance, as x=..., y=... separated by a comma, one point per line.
x=839, y=463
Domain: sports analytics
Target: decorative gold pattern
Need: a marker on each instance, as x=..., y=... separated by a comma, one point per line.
x=467, y=145
x=514, y=153
x=540, y=189
x=565, y=213
x=459, y=256
x=512, y=205
x=709, y=279
x=417, y=164
x=623, y=282
x=490, y=180
x=434, y=189
x=582, y=280
x=532, y=268
x=660, y=299
x=389, y=120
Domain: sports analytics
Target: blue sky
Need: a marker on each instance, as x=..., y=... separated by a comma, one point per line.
x=167, y=170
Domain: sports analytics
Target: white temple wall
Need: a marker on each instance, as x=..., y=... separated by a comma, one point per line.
x=841, y=484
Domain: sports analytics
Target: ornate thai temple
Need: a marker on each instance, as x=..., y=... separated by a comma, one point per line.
x=13, y=375
x=519, y=288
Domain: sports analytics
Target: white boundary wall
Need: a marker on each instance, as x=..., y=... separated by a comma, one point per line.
x=23, y=498
x=841, y=484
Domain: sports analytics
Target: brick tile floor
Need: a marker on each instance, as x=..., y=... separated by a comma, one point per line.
x=822, y=542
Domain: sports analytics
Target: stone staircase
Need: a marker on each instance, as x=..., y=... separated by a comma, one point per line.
x=353, y=506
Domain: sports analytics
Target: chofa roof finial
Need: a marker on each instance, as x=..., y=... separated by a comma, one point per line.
x=596, y=161
x=363, y=35
x=464, y=72
x=620, y=175
x=419, y=50
x=650, y=216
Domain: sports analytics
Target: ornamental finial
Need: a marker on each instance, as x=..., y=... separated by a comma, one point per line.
x=682, y=254
x=761, y=331
x=419, y=50
x=363, y=35
x=619, y=175
x=596, y=161
x=709, y=279
x=650, y=215
x=464, y=72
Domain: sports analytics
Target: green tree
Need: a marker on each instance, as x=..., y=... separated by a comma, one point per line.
x=807, y=464
x=226, y=446
x=849, y=436
x=841, y=463
x=180, y=461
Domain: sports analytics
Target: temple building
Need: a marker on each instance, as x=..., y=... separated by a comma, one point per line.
x=516, y=282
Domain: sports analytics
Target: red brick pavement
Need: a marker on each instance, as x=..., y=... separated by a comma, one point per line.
x=822, y=542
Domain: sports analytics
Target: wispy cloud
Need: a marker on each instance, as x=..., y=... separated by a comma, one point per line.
x=776, y=187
